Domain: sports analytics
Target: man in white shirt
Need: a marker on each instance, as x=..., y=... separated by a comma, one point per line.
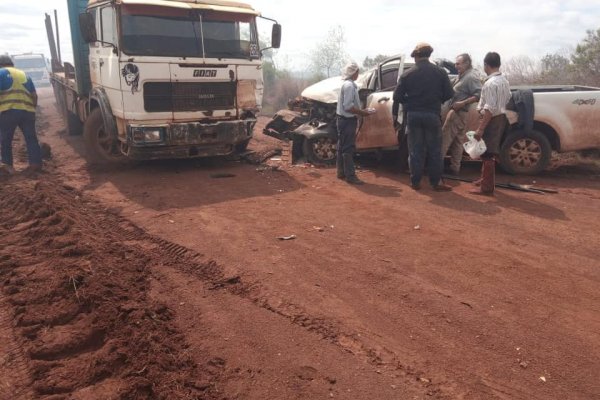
x=348, y=109
x=495, y=94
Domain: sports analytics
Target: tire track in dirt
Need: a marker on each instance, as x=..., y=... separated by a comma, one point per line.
x=75, y=312
x=14, y=372
x=187, y=260
x=54, y=319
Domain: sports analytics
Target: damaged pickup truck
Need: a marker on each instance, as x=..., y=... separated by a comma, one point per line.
x=565, y=118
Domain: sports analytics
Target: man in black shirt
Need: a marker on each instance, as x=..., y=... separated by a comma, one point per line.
x=421, y=90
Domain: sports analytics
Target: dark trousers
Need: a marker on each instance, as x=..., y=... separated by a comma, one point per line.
x=492, y=135
x=346, y=146
x=9, y=121
x=424, y=133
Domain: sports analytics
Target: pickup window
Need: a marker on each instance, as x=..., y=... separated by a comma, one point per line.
x=171, y=32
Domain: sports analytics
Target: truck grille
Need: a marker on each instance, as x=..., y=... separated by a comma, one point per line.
x=187, y=96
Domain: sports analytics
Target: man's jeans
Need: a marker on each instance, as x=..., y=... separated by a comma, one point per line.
x=9, y=120
x=346, y=146
x=424, y=144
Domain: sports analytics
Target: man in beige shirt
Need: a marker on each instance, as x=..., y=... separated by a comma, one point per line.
x=467, y=89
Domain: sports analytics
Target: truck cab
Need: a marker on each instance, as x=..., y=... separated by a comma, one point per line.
x=34, y=65
x=167, y=78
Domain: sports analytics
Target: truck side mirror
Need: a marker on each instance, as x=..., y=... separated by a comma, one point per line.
x=276, y=36
x=87, y=26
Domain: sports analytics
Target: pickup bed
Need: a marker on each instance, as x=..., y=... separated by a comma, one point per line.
x=565, y=118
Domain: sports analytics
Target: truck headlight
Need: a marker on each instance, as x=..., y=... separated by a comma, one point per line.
x=147, y=135
x=152, y=135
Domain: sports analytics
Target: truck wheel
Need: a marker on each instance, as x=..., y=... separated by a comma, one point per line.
x=74, y=125
x=101, y=147
x=320, y=150
x=525, y=153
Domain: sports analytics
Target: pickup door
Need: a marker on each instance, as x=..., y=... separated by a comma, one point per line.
x=377, y=130
x=574, y=115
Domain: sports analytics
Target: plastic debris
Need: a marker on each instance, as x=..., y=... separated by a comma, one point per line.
x=289, y=237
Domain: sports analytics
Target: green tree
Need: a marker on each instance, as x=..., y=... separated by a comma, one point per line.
x=586, y=59
x=328, y=56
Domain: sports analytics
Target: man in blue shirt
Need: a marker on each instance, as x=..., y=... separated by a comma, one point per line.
x=348, y=109
x=18, y=100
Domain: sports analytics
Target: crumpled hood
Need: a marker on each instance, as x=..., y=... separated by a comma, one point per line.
x=328, y=90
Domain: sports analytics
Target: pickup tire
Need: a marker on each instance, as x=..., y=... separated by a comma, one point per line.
x=100, y=146
x=525, y=153
x=320, y=149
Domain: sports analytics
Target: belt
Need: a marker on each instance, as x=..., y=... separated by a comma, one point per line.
x=342, y=117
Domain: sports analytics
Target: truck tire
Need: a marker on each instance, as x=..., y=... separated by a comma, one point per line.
x=525, y=153
x=320, y=149
x=74, y=125
x=100, y=146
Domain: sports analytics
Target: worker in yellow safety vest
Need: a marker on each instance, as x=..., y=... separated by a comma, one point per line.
x=18, y=100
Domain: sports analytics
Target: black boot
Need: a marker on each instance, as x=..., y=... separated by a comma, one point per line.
x=349, y=171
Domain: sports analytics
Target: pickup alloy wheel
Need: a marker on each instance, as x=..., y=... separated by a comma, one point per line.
x=320, y=150
x=523, y=153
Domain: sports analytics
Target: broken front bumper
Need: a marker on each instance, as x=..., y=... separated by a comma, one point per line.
x=187, y=140
x=283, y=124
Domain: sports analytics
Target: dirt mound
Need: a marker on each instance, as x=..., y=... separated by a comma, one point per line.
x=76, y=280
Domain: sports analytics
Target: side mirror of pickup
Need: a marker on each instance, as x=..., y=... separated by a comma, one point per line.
x=87, y=26
x=276, y=36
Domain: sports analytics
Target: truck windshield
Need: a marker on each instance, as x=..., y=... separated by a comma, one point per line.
x=26, y=63
x=174, y=32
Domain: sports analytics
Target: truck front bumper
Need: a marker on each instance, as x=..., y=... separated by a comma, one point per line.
x=187, y=140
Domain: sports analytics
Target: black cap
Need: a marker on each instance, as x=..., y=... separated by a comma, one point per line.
x=5, y=60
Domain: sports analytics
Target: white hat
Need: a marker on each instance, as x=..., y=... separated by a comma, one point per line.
x=349, y=70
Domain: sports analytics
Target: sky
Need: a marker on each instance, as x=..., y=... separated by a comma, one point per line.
x=511, y=27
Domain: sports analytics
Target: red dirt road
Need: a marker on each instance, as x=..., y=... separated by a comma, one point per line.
x=161, y=280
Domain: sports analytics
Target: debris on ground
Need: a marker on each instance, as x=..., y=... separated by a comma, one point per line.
x=259, y=157
x=289, y=237
x=219, y=175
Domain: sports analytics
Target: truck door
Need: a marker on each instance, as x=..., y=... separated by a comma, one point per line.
x=107, y=58
x=377, y=130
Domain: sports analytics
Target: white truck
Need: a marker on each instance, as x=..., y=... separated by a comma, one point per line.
x=565, y=118
x=161, y=78
x=35, y=66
